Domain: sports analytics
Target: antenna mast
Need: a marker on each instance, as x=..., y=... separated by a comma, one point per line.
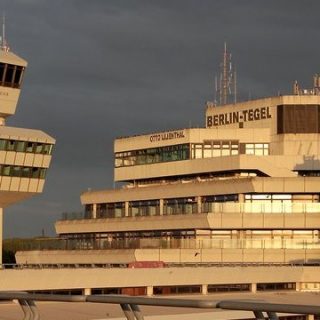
x=227, y=86
x=4, y=44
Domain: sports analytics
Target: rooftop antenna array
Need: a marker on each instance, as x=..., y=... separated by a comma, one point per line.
x=4, y=44
x=226, y=84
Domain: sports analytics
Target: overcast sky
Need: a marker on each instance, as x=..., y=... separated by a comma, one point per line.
x=100, y=69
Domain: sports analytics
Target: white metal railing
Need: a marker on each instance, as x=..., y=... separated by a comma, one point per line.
x=131, y=305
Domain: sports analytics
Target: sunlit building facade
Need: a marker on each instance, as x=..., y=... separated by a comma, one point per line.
x=243, y=189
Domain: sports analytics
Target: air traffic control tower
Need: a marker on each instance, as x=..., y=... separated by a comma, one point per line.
x=25, y=154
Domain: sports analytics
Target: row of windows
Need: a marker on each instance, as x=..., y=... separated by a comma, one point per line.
x=152, y=207
x=25, y=146
x=22, y=172
x=189, y=205
x=214, y=148
x=11, y=75
x=211, y=149
x=258, y=149
x=208, y=149
x=152, y=155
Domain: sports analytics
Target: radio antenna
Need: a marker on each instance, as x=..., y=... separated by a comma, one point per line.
x=4, y=44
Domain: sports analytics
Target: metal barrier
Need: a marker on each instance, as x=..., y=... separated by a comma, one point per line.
x=130, y=305
x=7, y=266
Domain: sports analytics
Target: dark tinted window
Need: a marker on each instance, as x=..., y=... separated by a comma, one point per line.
x=298, y=119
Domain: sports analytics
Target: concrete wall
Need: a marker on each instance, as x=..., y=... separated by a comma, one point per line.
x=80, y=278
x=227, y=255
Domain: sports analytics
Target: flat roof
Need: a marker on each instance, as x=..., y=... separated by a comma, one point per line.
x=23, y=134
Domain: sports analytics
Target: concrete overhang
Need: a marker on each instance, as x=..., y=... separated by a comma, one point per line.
x=11, y=58
x=11, y=197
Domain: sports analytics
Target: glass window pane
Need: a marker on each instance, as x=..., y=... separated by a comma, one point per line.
x=47, y=148
x=39, y=147
x=216, y=153
x=18, y=76
x=21, y=146
x=25, y=172
x=35, y=172
x=6, y=170
x=9, y=75
x=11, y=145
x=2, y=66
x=30, y=146
x=207, y=153
x=225, y=152
x=42, y=173
x=3, y=144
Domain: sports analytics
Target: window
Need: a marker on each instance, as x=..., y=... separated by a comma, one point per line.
x=21, y=146
x=2, y=69
x=144, y=208
x=152, y=155
x=258, y=149
x=3, y=144
x=213, y=148
x=298, y=119
x=18, y=76
x=11, y=145
x=111, y=210
x=180, y=206
x=25, y=146
x=11, y=75
x=23, y=172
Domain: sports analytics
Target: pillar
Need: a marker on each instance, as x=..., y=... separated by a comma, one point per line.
x=253, y=287
x=87, y=291
x=204, y=289
x=149, y=291
x=1, y=234
x=199, y=204
x=94, y=211
x=161, y=207
x=126, y=209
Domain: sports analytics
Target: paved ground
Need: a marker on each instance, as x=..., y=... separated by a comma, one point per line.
x=92, y=311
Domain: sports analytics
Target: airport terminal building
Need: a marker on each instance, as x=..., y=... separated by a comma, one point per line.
x=244, y=190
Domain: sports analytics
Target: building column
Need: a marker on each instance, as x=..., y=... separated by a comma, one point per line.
x=87, y=291
x=298, y=286
x=204, y=289
x=94, y=211
x=199, y=204
x=1, y=234
x=149, y=291
x=161, y=207
x=126, y=209
x=253, y=287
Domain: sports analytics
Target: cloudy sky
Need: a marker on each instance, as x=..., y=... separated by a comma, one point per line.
x=100, y=69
